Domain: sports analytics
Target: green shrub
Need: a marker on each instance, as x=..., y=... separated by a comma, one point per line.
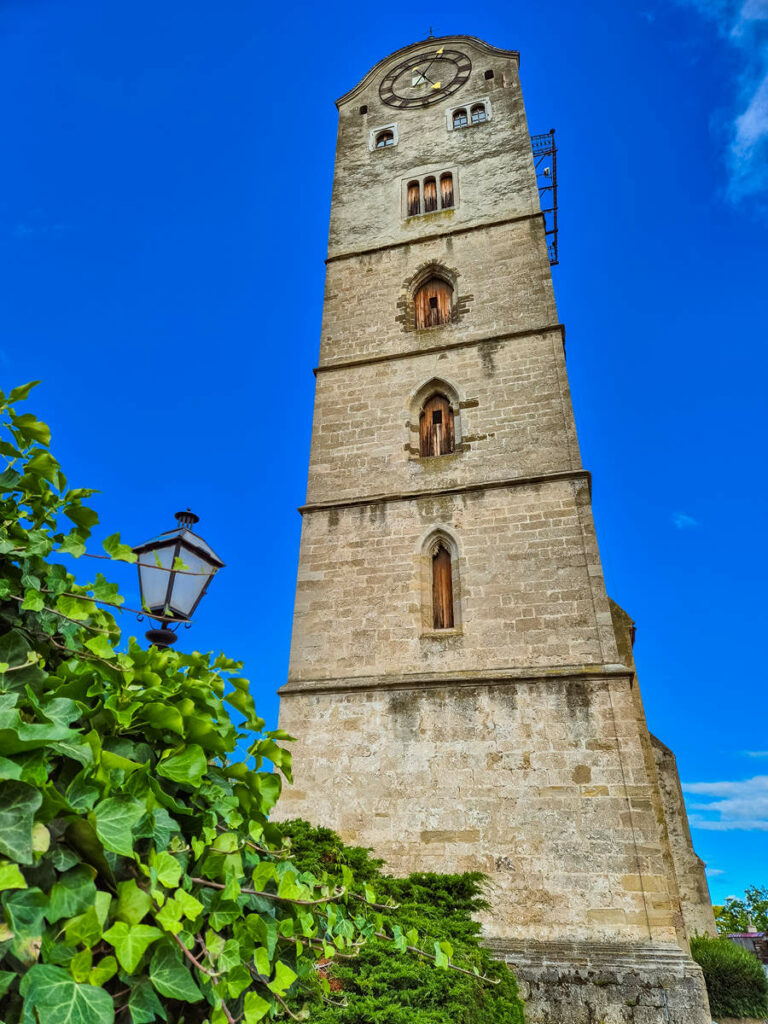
x=736, y=983
x=140, y=877
x=381, y=986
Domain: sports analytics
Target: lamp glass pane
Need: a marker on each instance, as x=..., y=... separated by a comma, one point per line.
x=186, y=587
x=154, y=582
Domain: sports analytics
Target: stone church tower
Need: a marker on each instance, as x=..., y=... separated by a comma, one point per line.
x=462, y=686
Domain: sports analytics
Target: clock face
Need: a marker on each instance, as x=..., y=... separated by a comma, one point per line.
x=425, y=78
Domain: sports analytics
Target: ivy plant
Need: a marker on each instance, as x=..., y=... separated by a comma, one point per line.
x=140, y=877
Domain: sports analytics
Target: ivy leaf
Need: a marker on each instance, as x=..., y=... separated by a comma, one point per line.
x=7, y=978
x=43, y=464
x=171, y=978
x=101, y=972
x=133, y=903
x=187, y=767
x=86, y=929
x=115, y=549
x=33, y=601
x=20, y=393
x=72, y=894
x=283, y=979
x=114, y=820
x=11, y=876
x=73, y=544
x=80, y=965
x=103, y=590
x=18, y=803
x=191, y=907
x=58, y=999
x=143, y=1005
x=163, y=716
x=24, y=911
x=81, y=515
x=168, y=870
x=131, y=942
x=79, y=608
x=31, y=429
x=101, y=646
x=255, y=1008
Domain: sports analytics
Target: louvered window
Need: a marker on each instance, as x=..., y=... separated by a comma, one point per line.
x=414, y=198
x=430, y=195
x=446, y=190
x=442, y=589
x=436, y=430
x=433, y=303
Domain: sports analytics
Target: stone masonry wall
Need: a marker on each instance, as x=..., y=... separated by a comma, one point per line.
x=494, y=162
x=530, y=589
x=514, y=419
x=366, y=295
x=689, y=868
x=541, y=784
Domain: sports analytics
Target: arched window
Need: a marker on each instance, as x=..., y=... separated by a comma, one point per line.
x=430, y=195
x=414, y=200
x=459, y=118
x=436, y=432
x=446, y=190
x=442, y=588
x=433, y=302
x=478, y=113
x=386, y=138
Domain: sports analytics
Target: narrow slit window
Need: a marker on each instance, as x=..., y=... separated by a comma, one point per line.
x=433, y=303
x=478, y=113
x=430, y=195
x=446, y=191
x=436, y=428
x=442, y=589
x=414, y=198
x=384, y=139
x=459, y=118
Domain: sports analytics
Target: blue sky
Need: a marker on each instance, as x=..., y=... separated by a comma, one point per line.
x=164, y=200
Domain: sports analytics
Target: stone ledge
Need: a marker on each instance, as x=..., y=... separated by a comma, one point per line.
x=576, y=954
x=418, y=239
x=515, y=481
x=530, y=332
x=476, y=677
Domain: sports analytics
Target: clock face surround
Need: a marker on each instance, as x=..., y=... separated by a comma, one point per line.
x=425, y=78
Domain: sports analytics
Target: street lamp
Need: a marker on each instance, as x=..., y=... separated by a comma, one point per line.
x=174, y=572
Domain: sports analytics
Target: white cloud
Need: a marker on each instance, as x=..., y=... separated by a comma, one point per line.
x=740, y=805
x=744, y=23
x=755, y=753
x=683, y=521
x=714, y=872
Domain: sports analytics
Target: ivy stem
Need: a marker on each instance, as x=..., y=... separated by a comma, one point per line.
x=453, y=966
x=337, y=894
x=78, y=622
x=192, y=959
x=280, y=999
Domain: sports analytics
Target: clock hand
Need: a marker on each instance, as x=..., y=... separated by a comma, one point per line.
x=433, y=61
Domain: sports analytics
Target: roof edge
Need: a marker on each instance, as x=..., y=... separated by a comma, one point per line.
x=412, y=46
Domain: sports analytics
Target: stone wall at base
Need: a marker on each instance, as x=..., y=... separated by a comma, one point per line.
x=605, y=983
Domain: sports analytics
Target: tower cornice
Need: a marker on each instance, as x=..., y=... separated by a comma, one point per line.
x=438, y=492
x=479, y=43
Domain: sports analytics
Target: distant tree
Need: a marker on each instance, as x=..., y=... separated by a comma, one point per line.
x=736, y=983
x=743, y=915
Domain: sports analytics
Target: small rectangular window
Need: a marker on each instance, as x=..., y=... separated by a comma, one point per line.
x=437, y=416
